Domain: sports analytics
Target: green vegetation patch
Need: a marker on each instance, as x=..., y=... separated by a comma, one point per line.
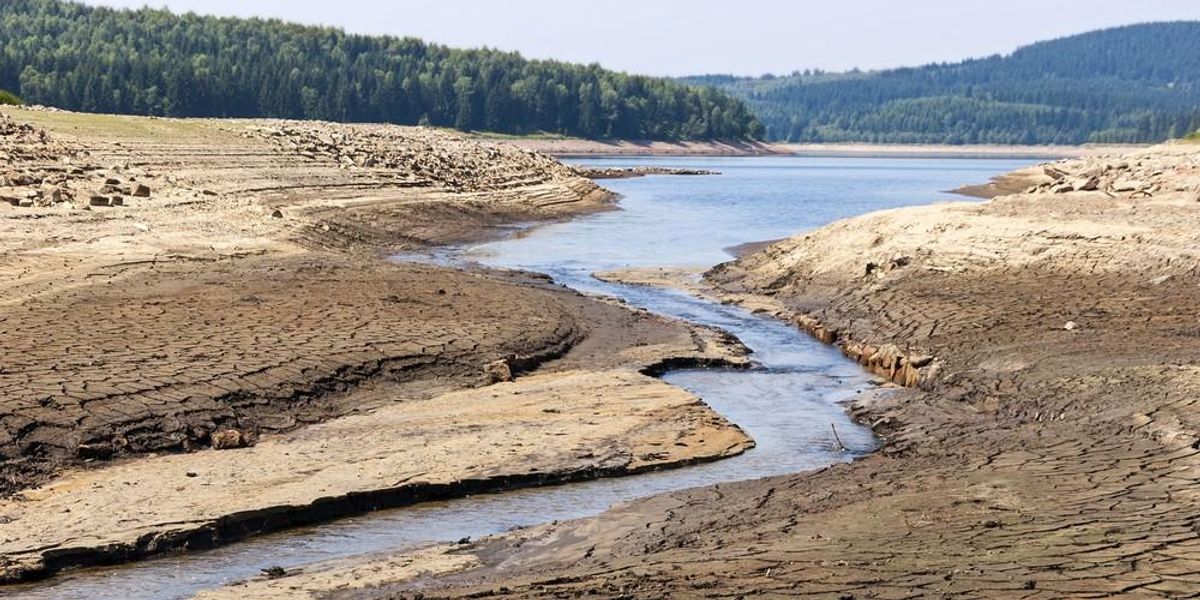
x=154, y=62
x=1139, y=83
x=10, y=99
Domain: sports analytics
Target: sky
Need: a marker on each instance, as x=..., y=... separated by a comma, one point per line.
x=743, y=37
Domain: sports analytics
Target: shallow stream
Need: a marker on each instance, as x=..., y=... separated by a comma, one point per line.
x=790, y=404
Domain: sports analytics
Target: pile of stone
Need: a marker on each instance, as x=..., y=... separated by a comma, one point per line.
x=1177, y=170
x=37, y=171
x=631, y=172
x=418, y=155
x=22, y=142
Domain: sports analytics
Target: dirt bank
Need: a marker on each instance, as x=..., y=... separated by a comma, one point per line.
x=212, y=297
x=579, y=147
x=632, y=172
x=1051, y=453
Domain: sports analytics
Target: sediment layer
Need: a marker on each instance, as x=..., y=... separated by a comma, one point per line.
x=538, y=430
x=204, y=340
x=1053, y=454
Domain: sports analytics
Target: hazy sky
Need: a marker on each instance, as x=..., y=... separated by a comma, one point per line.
x=748, y=37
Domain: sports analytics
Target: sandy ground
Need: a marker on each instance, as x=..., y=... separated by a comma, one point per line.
x=212, y=297
x=1047, y=449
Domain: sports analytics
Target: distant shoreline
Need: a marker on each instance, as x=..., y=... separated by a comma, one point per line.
x=955, y=151
x=586, y=148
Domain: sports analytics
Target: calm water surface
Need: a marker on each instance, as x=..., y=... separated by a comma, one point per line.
x=789, y=404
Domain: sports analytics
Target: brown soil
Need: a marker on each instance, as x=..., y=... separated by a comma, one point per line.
x=1048, y=450
x=241, y=298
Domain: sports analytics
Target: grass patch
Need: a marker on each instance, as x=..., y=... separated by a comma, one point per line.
x=491, y=135
x=1192, y=137
x=118, y=127
x=8, y=98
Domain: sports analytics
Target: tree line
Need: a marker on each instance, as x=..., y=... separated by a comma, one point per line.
x=1138, y=83
x=154, y=62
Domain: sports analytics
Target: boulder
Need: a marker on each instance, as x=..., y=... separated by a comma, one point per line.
x=228, y=439
x=498, y=371
x=1086, y=184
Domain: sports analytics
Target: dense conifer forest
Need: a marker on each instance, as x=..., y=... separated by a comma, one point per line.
x=154, y=62
x=1139, y=83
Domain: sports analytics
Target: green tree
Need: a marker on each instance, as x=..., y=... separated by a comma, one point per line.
x=157, y=63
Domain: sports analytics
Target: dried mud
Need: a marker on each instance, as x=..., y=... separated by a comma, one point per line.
x=1052, y=453
x=242, y=303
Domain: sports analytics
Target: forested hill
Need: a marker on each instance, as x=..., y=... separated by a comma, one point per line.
x=1139, y=83
x=156, y=63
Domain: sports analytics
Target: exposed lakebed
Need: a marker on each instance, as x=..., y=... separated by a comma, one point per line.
x=789, y=405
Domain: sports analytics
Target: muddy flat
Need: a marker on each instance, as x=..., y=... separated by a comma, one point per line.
x=204, y=337
x=1046, y=446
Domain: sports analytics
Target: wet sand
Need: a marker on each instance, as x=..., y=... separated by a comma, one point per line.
x=234, y=319
x=1046, y=449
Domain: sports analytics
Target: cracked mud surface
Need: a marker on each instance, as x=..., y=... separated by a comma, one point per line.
x=1052, y=453
x=243, y=309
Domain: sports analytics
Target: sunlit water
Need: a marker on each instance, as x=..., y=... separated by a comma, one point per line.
x=790, y=405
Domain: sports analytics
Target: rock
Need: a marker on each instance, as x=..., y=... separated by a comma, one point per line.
x=274, y=572
x=24, y=179
x=57, y=195
x=498, y=371
x=1071, y=326
x=1085, y=184
x=228, y=439
x=116, y=201
x=97, y=451
x=141, y=191
x=99, y=201
x=920, y=361
x=1128, y=185
x=277, y=214
x=1053, y=172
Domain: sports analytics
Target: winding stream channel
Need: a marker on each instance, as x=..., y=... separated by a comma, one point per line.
x=787, y=404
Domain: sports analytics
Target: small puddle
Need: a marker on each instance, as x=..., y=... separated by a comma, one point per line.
x=790, y=404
